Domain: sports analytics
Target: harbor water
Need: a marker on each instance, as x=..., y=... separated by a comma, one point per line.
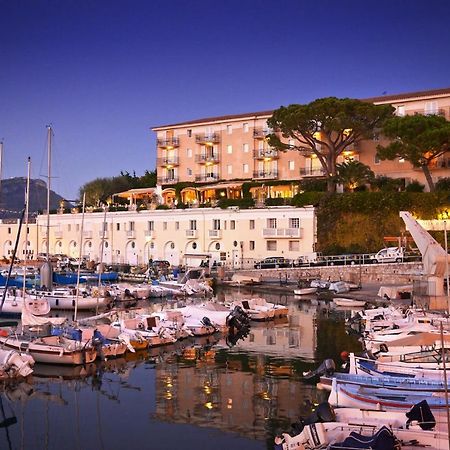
x=213, y=392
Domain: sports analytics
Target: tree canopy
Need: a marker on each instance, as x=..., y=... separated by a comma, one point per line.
x=99, y=190
x=418, y=139
x=326, y=127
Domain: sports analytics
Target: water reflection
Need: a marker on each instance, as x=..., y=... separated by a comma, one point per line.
x=182, y=395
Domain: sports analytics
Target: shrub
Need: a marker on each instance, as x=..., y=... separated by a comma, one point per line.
x=415, y=186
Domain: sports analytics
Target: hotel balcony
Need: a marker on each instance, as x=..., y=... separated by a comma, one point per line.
x=131, y=234
x=265, y=153
x=58, y=234
x=427, y=112
x=171, y=161
x=312, y=172
x=215, y=234
x=168, y=180
x=191, y=234
x=207, y=158
x=289, y=233
x=207, y=177
x=265, y=174
x=207, y=138
x=260, y=133
x=150, y=234
x=168, y=142
x=103, y=234
x=87, y=234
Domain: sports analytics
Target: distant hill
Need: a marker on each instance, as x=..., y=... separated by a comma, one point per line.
x=12, y=197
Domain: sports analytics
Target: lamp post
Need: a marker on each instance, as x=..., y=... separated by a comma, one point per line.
x=446, y=266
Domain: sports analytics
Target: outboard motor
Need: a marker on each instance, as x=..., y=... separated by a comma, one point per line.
x=238, y=319
x=323, y=413
x=328, y=367
x=207, y=322
x=422, y=413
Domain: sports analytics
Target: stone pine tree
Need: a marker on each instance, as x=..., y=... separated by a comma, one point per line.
x=326, y=127
x=418, y=139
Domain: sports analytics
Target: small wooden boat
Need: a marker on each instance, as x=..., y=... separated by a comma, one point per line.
x=305, y=291
x=349, y=302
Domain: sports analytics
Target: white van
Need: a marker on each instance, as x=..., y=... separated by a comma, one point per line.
x=388, y=254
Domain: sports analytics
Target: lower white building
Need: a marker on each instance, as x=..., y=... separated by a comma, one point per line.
x=235, y=237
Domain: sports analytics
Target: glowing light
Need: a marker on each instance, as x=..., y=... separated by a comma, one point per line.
x=209, y=405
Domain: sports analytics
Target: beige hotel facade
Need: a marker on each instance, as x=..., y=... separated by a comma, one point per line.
x=213, y=157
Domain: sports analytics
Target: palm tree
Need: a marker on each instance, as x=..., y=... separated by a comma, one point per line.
x=353, y=174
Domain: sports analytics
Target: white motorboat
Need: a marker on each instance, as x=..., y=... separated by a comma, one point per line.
x=305, y=291
x=51, y=349
x=15, y=301
x=13, y=364
x=259, y=309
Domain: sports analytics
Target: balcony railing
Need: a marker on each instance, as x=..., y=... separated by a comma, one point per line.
x=102, y=234
x=207, y=177
x=149, y=233
x=204, y=158
x=265, y=174
x=283, y=233
x=310, y=172
x=207, y=138
x=191, y=234
x=424, y=112
x=262, y=153
x=171, y=161
x=215, y=234
x=260, y=133
x=168, y=142
x=167, y=180
x=131, y=234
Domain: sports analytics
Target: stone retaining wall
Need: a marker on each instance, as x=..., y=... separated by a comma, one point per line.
x=395, y=273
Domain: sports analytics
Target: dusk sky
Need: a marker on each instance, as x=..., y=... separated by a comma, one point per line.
x=104, y=72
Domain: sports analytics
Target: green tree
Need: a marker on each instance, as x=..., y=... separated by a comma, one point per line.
x=353, y=174
x=418, y=139
x=326, y=127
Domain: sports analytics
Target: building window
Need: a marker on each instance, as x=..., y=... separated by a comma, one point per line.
x=232, y=224
x=9, y=230
x=216, y=224
x=177, y=225
x=229, y=129
x=251, y=245
x=245, y=168
x=131, y=226
x=229, y=149
x=189, y=171
x=164, y=225
x=291, y=165
x=194, y=245
x=431, y=108
x=252, y=224
x=376, y=159
x=189, y=133
x=401, y=110
x=245, y=127
x=150, y=225
x=193, y=225
x=78, y=227
x=401, y=160
x=271, y=223
x=245, y=148
x=229, y=169
x=217, y=246
x=69, y=227
x=271, y=246
x=189, y=152
x=294, y=222
x=294, y=246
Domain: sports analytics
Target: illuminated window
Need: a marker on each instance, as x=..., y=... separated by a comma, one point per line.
x=245, y=168
x=245, y=127
x=229, y=129
x=401, y=160
x=229, y=148
x=245, y=148
x=189, y=152
x=291, y=165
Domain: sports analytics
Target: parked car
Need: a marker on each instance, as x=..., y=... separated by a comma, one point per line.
x=388, y=254
x=272, y=262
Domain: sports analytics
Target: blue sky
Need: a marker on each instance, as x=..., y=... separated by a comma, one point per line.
x=104, y=72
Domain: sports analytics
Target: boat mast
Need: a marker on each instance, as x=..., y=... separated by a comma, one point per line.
x=27, y=200
x=79, y=257
x=49, y=165
x=1, y=170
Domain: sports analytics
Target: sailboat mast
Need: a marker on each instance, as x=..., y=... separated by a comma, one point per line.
x=27, y=201
x=1, y=169
x=49, y=165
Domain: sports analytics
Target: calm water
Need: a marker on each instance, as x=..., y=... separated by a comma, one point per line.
x=196, y=394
